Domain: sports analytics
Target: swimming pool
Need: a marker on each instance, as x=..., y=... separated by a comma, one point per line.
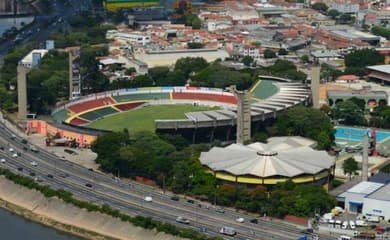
x=356, y=134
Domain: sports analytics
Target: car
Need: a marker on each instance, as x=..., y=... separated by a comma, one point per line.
x=90, y=169
x=240, y=220
x=64, y=175
x=50, y=176
x=344, y=225
x=20, y=169
x=11, y=149
x=148, y=199
x=2, y=160
x=352, y=225
x=32, y=174
x=33, y=163
x=38, y=179
x=24, y=141
x=15, y=155
x=175, y=198
x=307, y=231
x=182, y=220
x=88, y=185
x=220, y=210
x=254, y=220
x=190, y=201
x=1, y=148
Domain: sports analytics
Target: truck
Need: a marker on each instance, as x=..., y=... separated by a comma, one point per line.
x=364, y=235
x=228, y=231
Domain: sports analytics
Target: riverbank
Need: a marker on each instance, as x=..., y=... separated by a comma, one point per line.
x=55, y=213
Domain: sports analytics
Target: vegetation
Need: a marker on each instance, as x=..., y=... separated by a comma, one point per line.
x=357, y=60
x=195, y=45
x=319, y=6
x=350, y=167
x=307, y=122
x=381, y=31
x=171, y=162
x=49, y=82
x=247, y=61
x=139, y=221
x=268, y=53
x=143, y=119
x=385, y=169
x=189, y=20
x=349, y=113
x=380, y=117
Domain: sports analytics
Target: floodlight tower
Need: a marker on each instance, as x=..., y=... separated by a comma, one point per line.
x=243, y=114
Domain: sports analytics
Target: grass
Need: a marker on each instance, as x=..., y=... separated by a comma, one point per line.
x=143, y=119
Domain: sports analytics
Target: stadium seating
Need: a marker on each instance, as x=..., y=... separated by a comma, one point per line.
x=78, y=121
x=83, y=106
x=142, y=96
x=99, y=113
x=61, y=115
x=205, y=97
x=128, y=106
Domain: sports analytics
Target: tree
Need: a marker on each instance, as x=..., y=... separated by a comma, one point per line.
x=194, y=45
x=319, y=6
x=349, y=112
x=247, y=60
x=282, y=51
x=305, y=58
x=307, y=122
x=381, y=31
x=268, y=53
x=130, y=71
x=333, y=13
x=359, y=59
x=350, y=167
x=189, y=64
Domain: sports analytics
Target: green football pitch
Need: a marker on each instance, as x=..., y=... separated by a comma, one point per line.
x=143, y=118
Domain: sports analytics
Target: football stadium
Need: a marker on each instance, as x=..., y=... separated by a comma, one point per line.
x=114, y=5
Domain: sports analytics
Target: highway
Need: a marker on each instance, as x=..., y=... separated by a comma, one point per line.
x=129, y=198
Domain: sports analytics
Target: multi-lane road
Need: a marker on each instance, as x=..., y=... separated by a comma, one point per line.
x=129, y=198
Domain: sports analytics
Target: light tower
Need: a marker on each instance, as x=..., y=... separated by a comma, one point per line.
x=22, y=91
x=243, y=114
x=365, y=158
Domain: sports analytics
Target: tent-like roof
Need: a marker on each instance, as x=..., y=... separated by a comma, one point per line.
x=281, y=156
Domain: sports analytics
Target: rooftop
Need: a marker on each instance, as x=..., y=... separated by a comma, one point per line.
x=381, y=68
x=365, y=188
x=382, y=193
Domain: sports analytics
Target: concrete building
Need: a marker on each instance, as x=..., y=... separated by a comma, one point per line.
x=137, y=38
x=378, y=203
x=33, y=59
x=280, y=159
x=371, y=98
x=353, y=198
x=380, y=72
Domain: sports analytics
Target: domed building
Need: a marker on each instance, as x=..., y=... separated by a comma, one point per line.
x=281, y=159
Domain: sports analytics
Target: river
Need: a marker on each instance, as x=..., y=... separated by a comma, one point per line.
x=14, y=227
x=7, y=23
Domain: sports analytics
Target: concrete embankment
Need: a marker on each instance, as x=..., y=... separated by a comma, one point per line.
x=65, y=217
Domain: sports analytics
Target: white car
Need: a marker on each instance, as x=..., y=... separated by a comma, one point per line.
x=240, y=220
x=148, y=199
x=352, y=225
x=15, y=155
x=33, y=163
x=11, y=149
x=361, y=223
x=345, y=225
x=2, y=160
x=182, y=220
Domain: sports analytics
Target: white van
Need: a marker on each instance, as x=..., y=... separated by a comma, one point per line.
x=352, y=225
x=374, y=219
x=344, y=238
x=345, y=225
x=361, y=223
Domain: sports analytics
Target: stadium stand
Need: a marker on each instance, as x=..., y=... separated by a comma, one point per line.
x=142, y=96
x=61, y=115
x=128, y=106
x=78, y=121
x=214, y=97
x=99, y=113
x=83, y=106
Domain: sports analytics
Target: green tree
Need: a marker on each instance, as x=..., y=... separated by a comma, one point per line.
x=349, y=112
x=350, y=167
x=194, y=45
x=381, y=31
x=307, y=122
x=359, y=59
x=188, y=65
x=333, y=13
x=282, y=51
x=247, y=60
x=268, y=53
x=319, y=6
x=305, y=58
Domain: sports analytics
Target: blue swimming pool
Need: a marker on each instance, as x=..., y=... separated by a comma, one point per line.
x=356, y=134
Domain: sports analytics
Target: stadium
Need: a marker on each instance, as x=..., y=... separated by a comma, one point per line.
x=114, y=5
x=211, y=116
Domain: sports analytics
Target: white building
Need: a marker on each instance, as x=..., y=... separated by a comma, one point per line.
x=214, y=25
x=378, y=203
x=33, y=58
x=137, y=38
x=346, y=8
x=354, y=197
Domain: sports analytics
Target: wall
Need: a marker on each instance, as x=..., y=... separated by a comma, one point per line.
x=372, y=204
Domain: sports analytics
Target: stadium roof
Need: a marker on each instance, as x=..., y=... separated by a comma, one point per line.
x=281, y=156
x=380, y=68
